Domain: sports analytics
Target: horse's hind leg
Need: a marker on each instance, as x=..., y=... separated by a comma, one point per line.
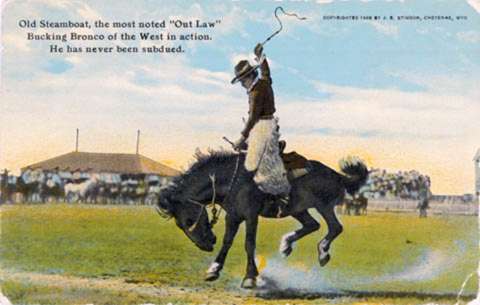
x=309, y=225
x=335, y=228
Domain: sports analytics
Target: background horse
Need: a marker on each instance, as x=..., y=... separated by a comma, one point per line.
x=357, y=204
x=78, y=192
x=221, y=177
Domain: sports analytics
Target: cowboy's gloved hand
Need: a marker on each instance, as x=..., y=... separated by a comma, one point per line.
x=258, y=51
x=239, y=144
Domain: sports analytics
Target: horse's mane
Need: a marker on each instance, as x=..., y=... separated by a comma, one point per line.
x=215, y=157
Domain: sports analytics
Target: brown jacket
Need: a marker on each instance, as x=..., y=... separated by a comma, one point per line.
x=260, y=99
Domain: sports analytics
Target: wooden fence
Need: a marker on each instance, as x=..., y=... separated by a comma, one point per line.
x=442, y=208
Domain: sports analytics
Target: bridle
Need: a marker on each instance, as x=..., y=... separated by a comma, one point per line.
x=215, y=212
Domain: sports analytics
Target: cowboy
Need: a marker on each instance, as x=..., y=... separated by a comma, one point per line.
x=259, y=90
x=261, y=129
x=423, y=196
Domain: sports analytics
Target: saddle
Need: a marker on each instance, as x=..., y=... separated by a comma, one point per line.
x=295, y=164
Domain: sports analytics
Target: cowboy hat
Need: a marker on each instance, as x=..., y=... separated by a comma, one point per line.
x=243, y=69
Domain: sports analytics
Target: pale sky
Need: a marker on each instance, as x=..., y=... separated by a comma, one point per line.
x=401, y=95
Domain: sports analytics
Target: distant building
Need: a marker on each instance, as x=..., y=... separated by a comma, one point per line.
x=476, y=161
x=107, y=163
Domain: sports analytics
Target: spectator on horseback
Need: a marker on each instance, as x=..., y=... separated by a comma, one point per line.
x=3, y=186
x=261, y=129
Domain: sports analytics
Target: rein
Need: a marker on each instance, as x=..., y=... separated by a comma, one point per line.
x=215, y=212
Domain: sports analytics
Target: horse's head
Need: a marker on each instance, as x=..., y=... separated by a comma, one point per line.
x=190, y=217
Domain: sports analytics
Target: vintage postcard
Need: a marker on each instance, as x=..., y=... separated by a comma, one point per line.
x=239, y=152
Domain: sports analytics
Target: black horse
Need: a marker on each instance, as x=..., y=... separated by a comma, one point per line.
x=358, y=205
x=221, y=177
x=30, y=191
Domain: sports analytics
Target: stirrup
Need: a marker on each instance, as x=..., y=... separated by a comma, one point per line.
x=284, y=200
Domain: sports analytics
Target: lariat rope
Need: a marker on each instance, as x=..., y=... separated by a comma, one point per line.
x=280, y=22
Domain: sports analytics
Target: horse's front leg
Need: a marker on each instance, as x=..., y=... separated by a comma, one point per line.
x=250, y=281
x=231, y=229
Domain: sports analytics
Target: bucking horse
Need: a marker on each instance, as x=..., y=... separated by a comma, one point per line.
x=220, y=178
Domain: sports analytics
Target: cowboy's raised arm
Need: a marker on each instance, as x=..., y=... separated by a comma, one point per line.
x=265, y=69
x=262, y=61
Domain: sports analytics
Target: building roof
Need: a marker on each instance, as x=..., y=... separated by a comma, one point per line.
x=477, y=155
x=106, y=162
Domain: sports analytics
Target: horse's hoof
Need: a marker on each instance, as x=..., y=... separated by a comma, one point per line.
x=212, y=276
x=286, y=251
x=324, y=259
x=249, y=283
x=286, y=244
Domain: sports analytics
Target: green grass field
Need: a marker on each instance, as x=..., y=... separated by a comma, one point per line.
x=382, y=257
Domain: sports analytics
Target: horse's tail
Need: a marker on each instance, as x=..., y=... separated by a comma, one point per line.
x=356, y=173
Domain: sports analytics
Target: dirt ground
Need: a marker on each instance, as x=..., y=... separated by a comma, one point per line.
x=178, y=295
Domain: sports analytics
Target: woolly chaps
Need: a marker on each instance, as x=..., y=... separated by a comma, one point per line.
x=263, y=156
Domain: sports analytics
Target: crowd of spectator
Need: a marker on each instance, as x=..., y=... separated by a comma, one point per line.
x=402, y=184
x=37, y=185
